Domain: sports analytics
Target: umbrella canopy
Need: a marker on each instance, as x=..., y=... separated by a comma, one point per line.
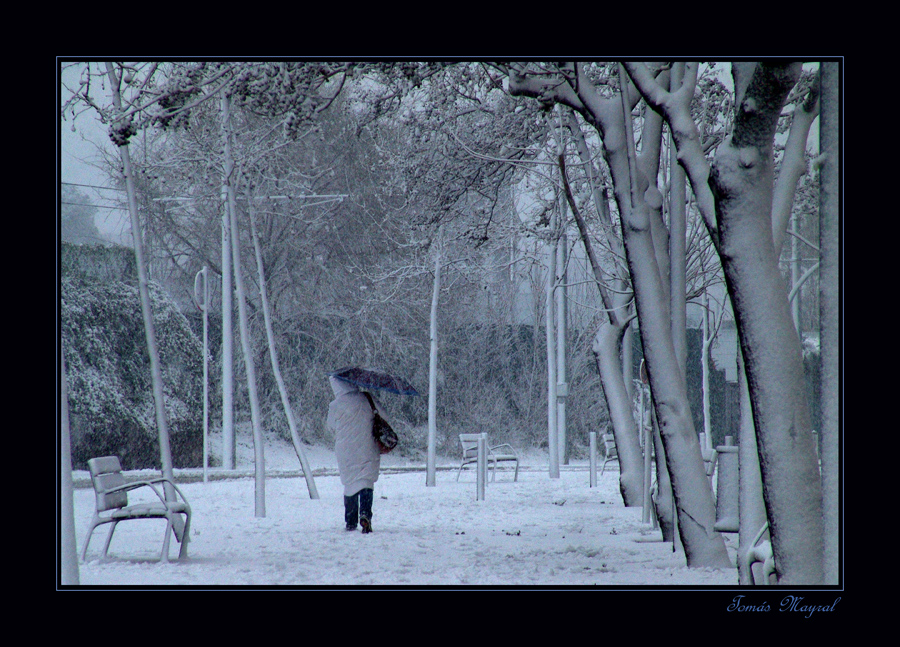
x=370, y=378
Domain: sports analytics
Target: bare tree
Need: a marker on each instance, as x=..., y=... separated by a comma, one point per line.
x=638, y=209
x=133, y=97
x=735, y=198
x=607, y=345
x=273, y=354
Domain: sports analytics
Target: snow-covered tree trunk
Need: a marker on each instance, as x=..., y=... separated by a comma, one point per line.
x=228, y=438
x=243, y=319
x=694, y=502
x=120, y=132
x=68, y=552
x=829, y=308
x=742, y=179
x=606, y=353
x=431, y=467
x=273, y=356
x=751, y=506
x=735, y=197
x=677, y=241
x=704, y=368
x=609, y=343
x=693, y=494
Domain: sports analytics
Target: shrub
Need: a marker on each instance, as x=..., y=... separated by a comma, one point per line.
x=108, y=371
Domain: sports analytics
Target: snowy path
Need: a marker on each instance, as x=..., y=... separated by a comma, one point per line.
x=537, y=531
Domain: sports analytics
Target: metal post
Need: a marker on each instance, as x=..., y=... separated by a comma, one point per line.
x=204, y=307
x=728, y=490
x=482, y=467
x=228, y=437
x=593, y=436
x=552, y=419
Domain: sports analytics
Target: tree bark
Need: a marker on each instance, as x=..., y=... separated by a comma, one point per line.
x=693, y=494
x=742, y=180
x=677, y=241
x=735, y=197
x=605, y=348
x=751, y=506
x=273, y=356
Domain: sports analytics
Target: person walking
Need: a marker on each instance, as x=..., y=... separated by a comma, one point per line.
x=359, y=461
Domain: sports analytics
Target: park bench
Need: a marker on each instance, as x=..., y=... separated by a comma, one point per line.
x=111, y=492
x=612, y=454
x=494, y=454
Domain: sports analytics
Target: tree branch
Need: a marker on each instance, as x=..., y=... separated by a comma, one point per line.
x=793, y=166
x=585, y=238
x=676, y=109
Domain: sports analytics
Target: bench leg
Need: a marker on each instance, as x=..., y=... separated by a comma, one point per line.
x=185, y=538
x=164, y=555
x=87, y=541
x=112, y=529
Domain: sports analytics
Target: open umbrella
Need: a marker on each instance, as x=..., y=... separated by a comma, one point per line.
x=370, y=378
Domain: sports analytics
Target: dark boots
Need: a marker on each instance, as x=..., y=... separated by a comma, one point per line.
x=358, y=509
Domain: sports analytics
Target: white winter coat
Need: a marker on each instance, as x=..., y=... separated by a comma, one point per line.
x=350, y=419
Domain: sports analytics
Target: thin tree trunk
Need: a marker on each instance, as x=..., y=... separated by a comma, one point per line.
x=665, y=501
x=273, y=356
x=793, y=167
x=162, y=425
x=229, y=443
x=691, y=488
x=431, y=468
x=243, y=321
x=795, y=292
x=829, y=309
x=677, y=241
x=605, y=347
x=704, y=365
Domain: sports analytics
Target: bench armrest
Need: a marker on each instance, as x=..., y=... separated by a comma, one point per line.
x=152, y=485
x=507, y=445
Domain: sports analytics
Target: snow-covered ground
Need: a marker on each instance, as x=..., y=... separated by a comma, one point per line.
x=535, y=532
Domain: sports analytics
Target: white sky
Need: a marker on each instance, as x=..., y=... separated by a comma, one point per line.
x=79, y=157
